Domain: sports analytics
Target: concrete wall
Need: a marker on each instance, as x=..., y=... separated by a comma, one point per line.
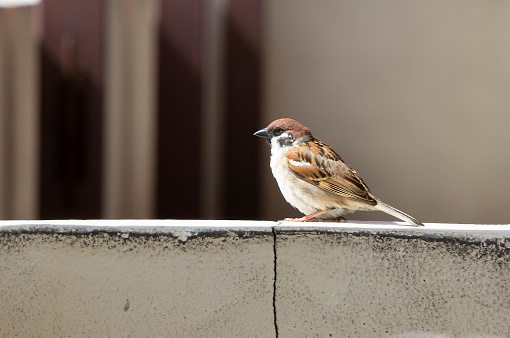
x=216, y=279
x=97, y=281
x=392, y=283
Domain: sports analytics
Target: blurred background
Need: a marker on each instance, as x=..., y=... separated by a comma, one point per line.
x=146, y=108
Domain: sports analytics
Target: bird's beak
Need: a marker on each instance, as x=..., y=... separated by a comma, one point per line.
x=262, y=133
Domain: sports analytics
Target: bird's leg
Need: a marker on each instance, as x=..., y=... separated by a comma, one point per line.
x=308, y=218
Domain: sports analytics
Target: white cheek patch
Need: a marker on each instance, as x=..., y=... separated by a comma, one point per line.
x=277, y=150
x=283, y=141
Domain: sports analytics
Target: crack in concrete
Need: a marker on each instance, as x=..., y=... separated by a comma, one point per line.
x=274, y=283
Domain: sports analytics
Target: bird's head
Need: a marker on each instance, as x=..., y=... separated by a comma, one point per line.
x=284, y=133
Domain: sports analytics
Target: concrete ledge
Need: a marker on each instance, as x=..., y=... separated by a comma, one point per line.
x=381, y=281
x=136, y=278
x=217, y=279
x=181, y=230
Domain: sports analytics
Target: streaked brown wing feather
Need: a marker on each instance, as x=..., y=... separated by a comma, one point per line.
x=318, y=164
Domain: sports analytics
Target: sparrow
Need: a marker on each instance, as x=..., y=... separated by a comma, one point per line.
x=314, y=179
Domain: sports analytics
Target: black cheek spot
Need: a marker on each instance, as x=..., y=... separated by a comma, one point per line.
x=284, y=142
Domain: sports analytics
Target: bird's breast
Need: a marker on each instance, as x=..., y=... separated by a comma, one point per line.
x=307, y=197
x=300, y=194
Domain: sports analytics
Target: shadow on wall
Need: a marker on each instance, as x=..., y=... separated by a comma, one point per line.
x=73, y=110
x=72, y=86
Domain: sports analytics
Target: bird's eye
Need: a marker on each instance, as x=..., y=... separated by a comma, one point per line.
x=277, y=131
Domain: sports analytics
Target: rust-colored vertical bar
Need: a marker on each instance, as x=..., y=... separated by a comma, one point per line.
x=71, y=108
x=243, y=108
x=179, y=108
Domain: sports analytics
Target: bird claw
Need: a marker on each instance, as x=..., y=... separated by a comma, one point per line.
x=301, y=219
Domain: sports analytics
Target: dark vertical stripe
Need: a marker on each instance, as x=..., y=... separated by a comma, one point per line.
x=179, y=108
x=71, y=108
x=243, y=108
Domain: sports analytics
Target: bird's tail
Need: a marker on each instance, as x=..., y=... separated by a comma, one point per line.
x=397, y=213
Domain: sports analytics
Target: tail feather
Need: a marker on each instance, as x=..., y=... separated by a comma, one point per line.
x=397, y=213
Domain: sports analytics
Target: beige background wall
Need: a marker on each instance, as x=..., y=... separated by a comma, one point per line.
x=414, y=95
x=19, y=121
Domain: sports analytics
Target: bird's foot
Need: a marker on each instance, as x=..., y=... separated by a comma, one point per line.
x=308, y=218
x=302, y=219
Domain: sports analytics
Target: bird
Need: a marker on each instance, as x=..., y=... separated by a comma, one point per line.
x=314, y=179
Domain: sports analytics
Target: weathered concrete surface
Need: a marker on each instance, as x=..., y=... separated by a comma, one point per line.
x=161, y=279
x=388, y=282
x=216, y=279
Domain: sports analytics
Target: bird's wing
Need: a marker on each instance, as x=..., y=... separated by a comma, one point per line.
x=318, y=164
